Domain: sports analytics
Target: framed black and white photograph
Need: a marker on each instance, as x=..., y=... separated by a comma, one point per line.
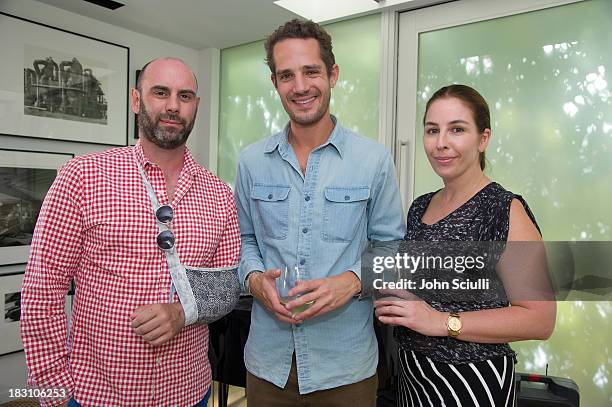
x=11, y=282
x=25, y=178
x=55, y=84
x=10, y=298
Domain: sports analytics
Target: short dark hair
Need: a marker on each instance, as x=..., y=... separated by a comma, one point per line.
x=302, y=29
x=473, y=100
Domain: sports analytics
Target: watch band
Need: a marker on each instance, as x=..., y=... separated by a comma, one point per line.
x=454, y=325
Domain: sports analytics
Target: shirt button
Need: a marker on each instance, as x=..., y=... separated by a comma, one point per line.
x=270, y=196
x=346, y=197
x=307, y=198
x=158, y=361
x=302, y=262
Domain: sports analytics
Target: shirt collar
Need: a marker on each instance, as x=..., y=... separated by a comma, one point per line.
x=189, y=164
x=280, y=141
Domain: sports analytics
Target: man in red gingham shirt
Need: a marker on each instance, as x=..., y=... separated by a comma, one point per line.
x=127, y=345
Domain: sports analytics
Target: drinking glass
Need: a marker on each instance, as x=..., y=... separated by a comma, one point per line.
x=288, y=279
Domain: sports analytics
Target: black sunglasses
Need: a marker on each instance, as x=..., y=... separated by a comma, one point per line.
x=165, y=239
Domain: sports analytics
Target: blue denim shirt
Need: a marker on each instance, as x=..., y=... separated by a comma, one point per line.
x=318, y=220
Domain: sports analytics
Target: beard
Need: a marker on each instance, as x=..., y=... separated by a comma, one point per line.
x=310, y=118
x=167, y=138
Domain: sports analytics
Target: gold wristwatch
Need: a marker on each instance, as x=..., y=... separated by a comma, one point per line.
x=454, y=325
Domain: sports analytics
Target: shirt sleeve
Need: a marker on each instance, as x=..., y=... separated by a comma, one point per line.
x=385, y=214
x=54, y=257
x=250, y=258
x=228, y=249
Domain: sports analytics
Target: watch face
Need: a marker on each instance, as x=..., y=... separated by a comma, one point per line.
x=454, y=324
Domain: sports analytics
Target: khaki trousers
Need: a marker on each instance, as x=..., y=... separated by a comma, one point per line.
x=261, y=393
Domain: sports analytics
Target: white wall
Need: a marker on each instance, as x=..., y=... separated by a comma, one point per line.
x=13, y=374
x=142, y=49
x=208, y=113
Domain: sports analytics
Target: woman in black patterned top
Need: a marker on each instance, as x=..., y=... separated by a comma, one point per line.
x=455, y=352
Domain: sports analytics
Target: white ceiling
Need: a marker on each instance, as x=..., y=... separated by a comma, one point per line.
x=201, y=24
x=326, y=10
x=197, y=24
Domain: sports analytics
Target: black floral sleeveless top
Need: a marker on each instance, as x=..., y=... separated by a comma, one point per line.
x=484, y=217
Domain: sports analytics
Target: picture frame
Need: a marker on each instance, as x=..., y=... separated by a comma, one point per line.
x=10, y=298
x=25, y=178
x=60, y=85
x=11, y=282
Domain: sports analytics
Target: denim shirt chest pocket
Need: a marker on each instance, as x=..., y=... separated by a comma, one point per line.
x=343, y=211
x=272, y=205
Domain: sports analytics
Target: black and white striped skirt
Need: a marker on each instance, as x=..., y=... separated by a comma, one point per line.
x=424, y=382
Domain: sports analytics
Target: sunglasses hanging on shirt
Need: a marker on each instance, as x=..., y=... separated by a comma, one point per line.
x=165, y=238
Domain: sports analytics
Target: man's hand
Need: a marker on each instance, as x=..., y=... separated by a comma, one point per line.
x=327, y=293
x=158, y=323
x=263, y=287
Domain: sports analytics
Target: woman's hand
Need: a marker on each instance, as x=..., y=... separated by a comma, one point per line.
x=406, y=309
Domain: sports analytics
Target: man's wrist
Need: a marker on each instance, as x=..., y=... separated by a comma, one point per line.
x=247, y=283
x=181, y=312
x=355, y=284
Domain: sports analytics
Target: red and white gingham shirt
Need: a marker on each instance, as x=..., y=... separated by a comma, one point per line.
x=98, y=227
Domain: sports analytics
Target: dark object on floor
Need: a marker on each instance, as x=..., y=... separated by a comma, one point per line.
x=546, y=391
x=226, y=347
x=386, y=398
x=387, y=365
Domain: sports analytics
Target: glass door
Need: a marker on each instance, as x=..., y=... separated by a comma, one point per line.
x=545, y=69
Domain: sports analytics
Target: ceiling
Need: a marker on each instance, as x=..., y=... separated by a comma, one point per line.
x=326, y=10
x=196, y=24
x=201, y=24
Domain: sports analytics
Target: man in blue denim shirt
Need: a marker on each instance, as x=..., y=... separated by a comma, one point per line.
x=309, y=196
